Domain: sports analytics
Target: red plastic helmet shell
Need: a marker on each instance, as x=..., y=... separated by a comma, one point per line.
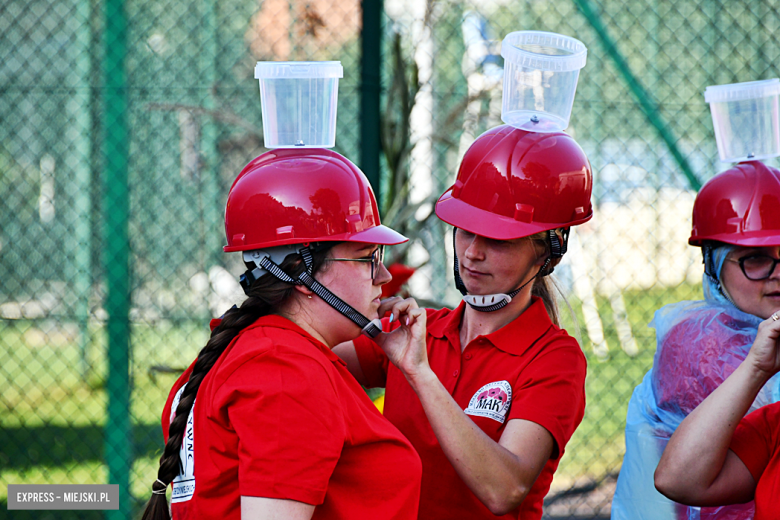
x=513, y=183
x=289, y=196
x=740, y=206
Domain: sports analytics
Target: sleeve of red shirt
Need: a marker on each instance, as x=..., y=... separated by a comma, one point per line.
x=551, y=391
x=290, y=425
x=753, y=442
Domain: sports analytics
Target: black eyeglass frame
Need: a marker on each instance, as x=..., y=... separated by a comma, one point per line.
x=377, y=258
x=744, y=259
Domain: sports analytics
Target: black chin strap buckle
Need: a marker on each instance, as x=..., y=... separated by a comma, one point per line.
x=246, y=280
x=709, y=261
x=459, y=285
x=558, y=248
x=710, y=269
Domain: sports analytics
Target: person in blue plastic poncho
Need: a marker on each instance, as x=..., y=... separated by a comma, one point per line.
x=736, y=222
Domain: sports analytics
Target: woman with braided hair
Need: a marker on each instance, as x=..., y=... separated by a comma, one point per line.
x=267, y=422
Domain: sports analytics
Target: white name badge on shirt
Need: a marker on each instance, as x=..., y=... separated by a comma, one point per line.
x=184, y=483
x=491, y=401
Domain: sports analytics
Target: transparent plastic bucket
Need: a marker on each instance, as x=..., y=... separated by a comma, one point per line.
x=746, y=118
x=540, y=79
x=299, y=101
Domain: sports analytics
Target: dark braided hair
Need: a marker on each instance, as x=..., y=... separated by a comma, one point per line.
x=265, y=296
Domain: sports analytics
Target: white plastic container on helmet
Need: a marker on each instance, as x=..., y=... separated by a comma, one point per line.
x=299, y=101
x=746, y=118
x=540, y=79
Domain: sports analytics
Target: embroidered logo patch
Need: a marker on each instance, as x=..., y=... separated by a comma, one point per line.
x=184, y=483
x=491, y=401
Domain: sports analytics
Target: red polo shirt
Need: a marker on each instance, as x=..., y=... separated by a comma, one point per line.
x=757, y=443
x=280, y=416
x=529, y=369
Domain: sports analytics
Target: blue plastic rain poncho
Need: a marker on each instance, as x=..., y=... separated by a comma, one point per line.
x=699, y=344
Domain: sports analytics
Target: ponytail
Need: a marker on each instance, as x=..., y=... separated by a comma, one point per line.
x=543, y=285
x=265, y=296
x=543, y=289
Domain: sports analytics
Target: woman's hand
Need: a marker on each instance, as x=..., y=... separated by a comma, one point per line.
x=405, y=346
x=764, y=355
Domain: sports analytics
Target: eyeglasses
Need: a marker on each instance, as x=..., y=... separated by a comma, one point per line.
x=376, y=259
x=757, y=267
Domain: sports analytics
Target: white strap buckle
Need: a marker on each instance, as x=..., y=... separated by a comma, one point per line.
x=373, y=328
x=486, y=300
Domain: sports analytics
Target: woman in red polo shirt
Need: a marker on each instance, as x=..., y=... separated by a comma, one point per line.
x=717, y=457
x=267, y=422
x=492, y=391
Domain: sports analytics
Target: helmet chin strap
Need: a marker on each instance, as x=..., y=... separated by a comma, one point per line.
x=494, y=302
x=267, y=260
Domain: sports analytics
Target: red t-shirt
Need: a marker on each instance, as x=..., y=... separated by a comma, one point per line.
x=279, y=416
x=529, y=369
x=757, y=443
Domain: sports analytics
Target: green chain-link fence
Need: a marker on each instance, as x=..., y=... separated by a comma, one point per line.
x=148, y=109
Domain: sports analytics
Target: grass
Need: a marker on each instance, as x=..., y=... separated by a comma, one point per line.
x=596, y=450
x=52, y=416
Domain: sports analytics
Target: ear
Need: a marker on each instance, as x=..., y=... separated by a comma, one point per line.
x=540, y=260
x=304, y=290
x=540, y=252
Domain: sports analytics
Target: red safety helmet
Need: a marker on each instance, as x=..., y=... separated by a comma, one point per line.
x=740, y=206
x=289, y=196
x=513, y=183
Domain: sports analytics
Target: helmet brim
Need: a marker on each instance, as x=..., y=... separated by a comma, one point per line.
x=756, y=239
x=484, y=223
x=380, y=234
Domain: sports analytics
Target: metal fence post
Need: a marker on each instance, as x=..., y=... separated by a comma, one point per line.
x=209, y=172
x=116, y=139
x=79, y=134
x=370, y=91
